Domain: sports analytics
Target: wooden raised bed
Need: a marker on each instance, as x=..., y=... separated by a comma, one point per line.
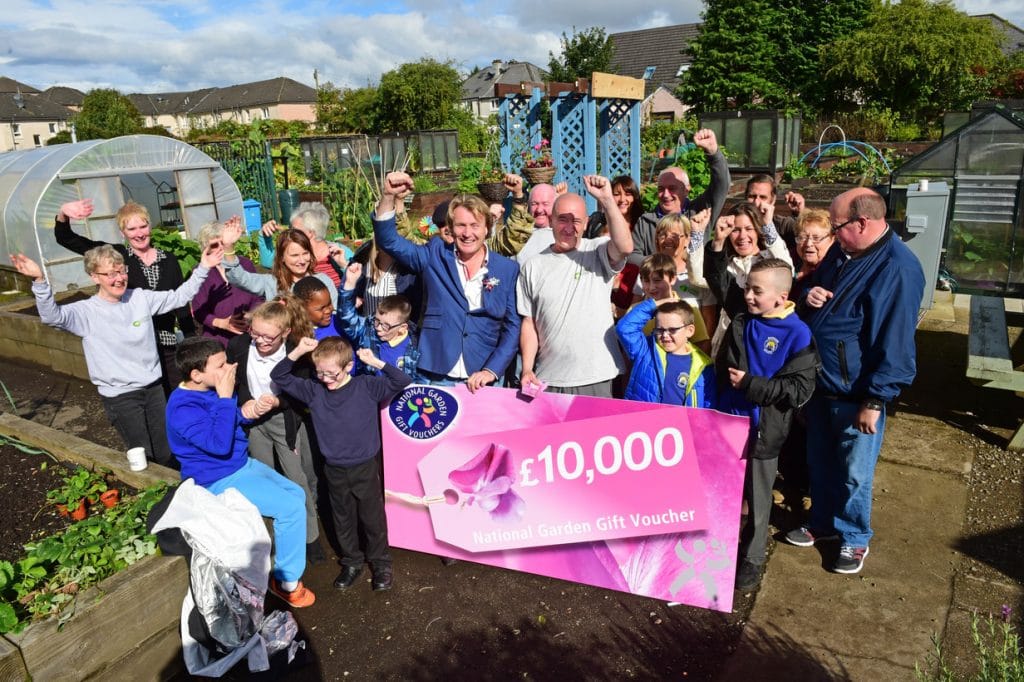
x=126, y=627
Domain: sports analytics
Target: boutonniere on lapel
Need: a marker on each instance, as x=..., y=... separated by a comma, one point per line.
x=491, y=282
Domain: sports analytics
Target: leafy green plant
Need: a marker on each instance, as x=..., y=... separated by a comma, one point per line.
x=80, y=484
x=185, y=250
x=350, y=198
x=695, y=161
x=55, y=570
x=795, y=170
x=649, y=196
x=423, y=183
x=997, y=649
x=469, y=173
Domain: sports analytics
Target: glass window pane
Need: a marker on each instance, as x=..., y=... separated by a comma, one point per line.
x=761, y=143
x=736, y=142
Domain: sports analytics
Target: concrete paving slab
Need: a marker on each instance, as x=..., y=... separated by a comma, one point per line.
x=871, y=626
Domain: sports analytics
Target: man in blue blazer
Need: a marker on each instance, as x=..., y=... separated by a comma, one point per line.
x=470, y=329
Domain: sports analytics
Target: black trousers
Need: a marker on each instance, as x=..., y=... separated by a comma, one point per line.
x=140, y=418
x=357, y=501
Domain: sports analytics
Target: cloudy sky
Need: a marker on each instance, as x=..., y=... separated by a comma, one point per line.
x=169, y=45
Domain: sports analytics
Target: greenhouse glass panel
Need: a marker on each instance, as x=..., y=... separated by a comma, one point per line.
x=736, y=142
x=761, y=142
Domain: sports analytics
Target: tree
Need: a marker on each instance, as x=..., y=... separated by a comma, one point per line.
x=348, y=110
x=584, y=53
x=735, y=58
x=418, y=96
x=106, y=113
x=762, y=54
x=918, y=58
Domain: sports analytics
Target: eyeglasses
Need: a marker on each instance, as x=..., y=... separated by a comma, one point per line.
x=329, y=376
x=265, y=337
x=384, y=326
x=113, y=274
x=668, y=331
x=851, y=220
x=805, y=238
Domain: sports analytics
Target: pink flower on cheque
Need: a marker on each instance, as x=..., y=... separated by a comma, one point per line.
x=487, y=481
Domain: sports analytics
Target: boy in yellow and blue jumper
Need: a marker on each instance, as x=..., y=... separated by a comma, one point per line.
x=767, y=367
x=666, y=367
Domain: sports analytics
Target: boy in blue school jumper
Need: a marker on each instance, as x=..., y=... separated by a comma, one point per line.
x=204, y=429
x=345, y=409
x=667, y=368
x=767, y=368
x=388, y=334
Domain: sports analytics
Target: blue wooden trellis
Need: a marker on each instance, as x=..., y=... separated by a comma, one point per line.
x=578, y=133
x=519, y=126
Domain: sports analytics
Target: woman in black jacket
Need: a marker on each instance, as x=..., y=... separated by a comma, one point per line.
x=148, y=268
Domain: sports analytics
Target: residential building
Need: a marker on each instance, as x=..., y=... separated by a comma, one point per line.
x=660, y=57
x=26, y=120
x=278, y=98
x=478, y=90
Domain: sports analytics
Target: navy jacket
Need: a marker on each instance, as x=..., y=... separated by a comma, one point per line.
x=487, y=338
x=865, y=332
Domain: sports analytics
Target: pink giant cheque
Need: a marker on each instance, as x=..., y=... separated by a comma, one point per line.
x=637, y=497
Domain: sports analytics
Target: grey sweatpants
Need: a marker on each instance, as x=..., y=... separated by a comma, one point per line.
x=267, y=444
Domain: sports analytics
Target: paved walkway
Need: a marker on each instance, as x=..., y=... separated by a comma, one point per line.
x=808, y=623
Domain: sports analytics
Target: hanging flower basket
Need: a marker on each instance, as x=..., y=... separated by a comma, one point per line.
x=492, y=192
x=539, y=174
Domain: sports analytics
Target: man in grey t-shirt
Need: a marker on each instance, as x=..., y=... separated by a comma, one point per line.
x=567, y=338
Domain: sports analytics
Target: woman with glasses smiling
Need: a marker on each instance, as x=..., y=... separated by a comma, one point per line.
x=116, y=326
x=814, y=237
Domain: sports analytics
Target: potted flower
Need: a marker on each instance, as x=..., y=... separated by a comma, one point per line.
x=538, y=164
x=491, y=184
x=76, y=488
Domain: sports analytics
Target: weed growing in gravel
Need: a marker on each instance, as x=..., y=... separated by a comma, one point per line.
x=997, y=648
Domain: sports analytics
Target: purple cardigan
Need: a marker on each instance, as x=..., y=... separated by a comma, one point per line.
x=217, y=298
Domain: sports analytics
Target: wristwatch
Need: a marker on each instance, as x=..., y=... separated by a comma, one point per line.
x=873, y=404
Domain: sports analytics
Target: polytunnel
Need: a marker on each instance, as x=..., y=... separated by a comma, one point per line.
x=182, y=188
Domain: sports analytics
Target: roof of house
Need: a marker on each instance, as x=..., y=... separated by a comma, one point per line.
x=663, y=48
x=480, y=85
x=11, y=85
x=14, y=107
x=65, y=96
x=207, y=100
x=1014, y=35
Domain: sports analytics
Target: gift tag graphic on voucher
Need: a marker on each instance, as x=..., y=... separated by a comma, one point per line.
x=582, y=481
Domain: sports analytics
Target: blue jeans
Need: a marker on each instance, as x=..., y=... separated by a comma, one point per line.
x=280, y=499
x=841, y=465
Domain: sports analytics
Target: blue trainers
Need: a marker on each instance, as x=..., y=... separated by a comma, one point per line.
x=851, y=559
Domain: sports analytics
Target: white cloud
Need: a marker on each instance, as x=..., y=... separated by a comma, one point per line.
x=160, y=45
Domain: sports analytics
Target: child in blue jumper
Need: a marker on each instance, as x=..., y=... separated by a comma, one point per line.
x=667, y=368
x=767, y=368
x=389, y=334
x=204, y=429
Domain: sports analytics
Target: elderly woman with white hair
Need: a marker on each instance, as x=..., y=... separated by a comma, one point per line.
x=116, y=326
x=314, y=219
x=220, y=307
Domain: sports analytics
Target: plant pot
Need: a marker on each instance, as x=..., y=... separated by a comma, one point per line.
x=110, y=497
x=79, y=513
x=492, y=191
x=539, y=174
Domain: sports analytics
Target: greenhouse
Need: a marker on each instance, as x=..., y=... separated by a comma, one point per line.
x=181, y=187
x=983, y=162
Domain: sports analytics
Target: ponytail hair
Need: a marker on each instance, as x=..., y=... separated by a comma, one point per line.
x=286, y=312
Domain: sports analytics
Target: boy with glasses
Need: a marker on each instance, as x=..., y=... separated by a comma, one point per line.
x=343, y=407
x=388, y=333
x=666, y=367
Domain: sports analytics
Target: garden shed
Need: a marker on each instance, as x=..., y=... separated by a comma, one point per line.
x=983, y=163
x=182, y=187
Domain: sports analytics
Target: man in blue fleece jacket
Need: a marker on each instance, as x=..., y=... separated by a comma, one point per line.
x=204, y=429
x=861, y=305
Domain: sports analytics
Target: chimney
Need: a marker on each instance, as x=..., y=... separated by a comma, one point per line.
x=497, y=65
